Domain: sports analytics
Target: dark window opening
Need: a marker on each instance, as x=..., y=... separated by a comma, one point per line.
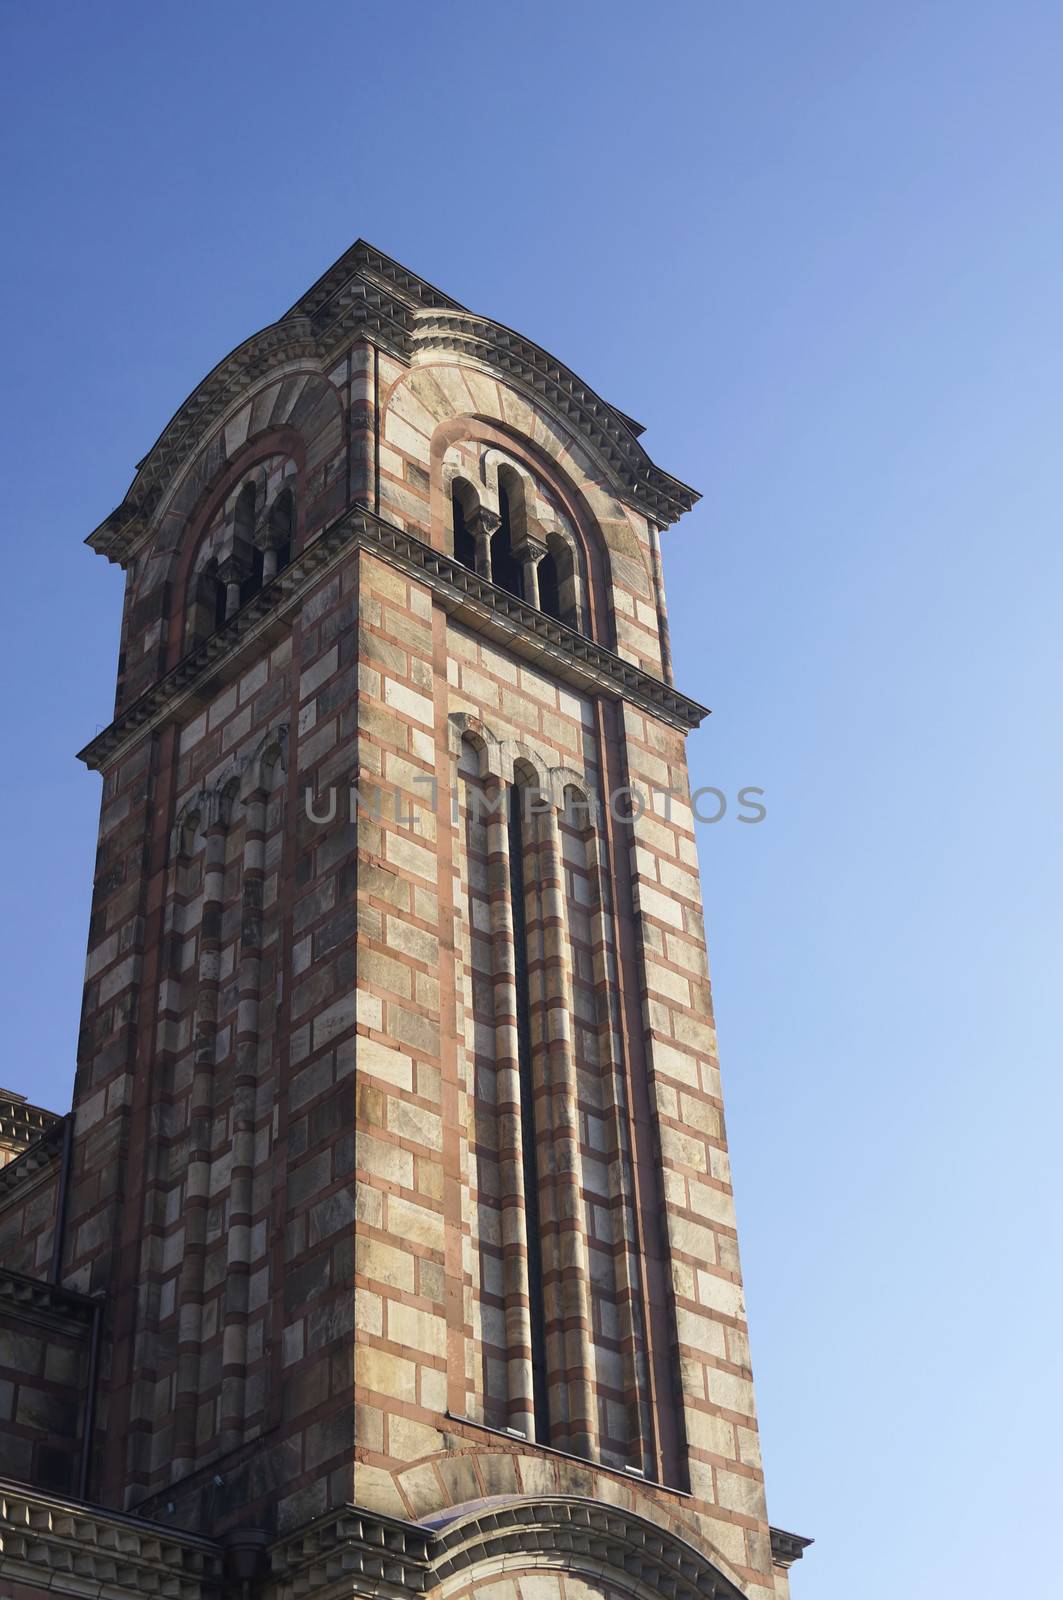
x=282, y=528
x=505, y=570
x=529, y=1153
x=550, y=588
x=219, y=601
x=464, y=543
x=253, y=582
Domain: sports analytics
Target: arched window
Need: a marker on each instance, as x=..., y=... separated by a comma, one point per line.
x=244, y=515
x=280, y=533
x=550, y=587
x=559, y=582
x=464, y=543
x=505, y=569
x=271, y=550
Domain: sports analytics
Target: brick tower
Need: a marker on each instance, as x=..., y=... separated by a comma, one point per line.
x=389, y=1246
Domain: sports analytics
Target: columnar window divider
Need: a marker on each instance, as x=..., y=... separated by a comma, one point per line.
x=201, y=1120
x=526, y=1390
x=245, y=1086
x=560, y=1081
x=632, y=1310
x=569, y=1371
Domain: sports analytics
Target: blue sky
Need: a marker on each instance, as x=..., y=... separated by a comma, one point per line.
x=817, y=250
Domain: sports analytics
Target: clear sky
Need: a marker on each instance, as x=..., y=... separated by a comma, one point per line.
x=816, y=248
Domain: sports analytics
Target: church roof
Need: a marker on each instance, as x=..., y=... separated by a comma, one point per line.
x=365, y=294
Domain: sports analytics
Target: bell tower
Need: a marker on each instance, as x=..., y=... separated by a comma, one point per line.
x=396, y=1185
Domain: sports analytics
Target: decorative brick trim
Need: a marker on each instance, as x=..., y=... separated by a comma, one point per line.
x=491, y=611
x=72, y=1548
x=786, y=1548
x=367, y=295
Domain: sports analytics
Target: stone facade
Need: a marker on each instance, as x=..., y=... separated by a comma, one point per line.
x=389, y=1246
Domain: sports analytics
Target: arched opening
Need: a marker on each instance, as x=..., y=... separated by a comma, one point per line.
x=560, y=593
x=211, y=585
x=550, y=587
x=244, y=514
x=281, y=527
x=461, y=509
x=271, y=552
x=244, y=549
x=505, y=568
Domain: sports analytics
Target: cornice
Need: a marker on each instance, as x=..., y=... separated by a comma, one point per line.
x=364, y=259
x=355, y=1552
x=487, y=609
x=363, y=1552
x=368, y=295
x=21, y=1123
x=786, y=1548
x=71, y=1548
x=33, y=1161
x=47, y=1305
x=612, y=434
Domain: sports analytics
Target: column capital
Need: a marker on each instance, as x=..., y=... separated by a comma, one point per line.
x=530, y=548
x=483, y=522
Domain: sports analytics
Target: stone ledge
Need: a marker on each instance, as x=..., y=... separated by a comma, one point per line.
x=73, y=1548
x=786, y=1548
x=46, y=1305
x=356, y=1552
x=21, y=1123
x=489, y=610
x=34, y=1160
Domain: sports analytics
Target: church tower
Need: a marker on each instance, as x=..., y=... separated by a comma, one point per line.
x=389, y=1247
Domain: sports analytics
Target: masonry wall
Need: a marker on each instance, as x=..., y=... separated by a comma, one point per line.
x=282, y=1170
x=43, y=1380
x=27, y=1215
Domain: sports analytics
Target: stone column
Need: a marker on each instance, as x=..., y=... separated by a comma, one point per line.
x=631, y=1305
x=232, y=570
x=269, y=541
x=563, y=1093
x=483, y=525
x=200, y=1131
x=245, y=1084
x=529, y=553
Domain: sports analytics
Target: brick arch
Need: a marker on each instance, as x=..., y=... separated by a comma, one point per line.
x=614, y=1551
x=449, y=402
x=294, y=405
x=449, y=1488
x=448, y=390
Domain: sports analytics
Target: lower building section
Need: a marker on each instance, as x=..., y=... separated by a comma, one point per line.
x=502, y=1547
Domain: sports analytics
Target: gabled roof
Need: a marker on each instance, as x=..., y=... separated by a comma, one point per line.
x=366, y=294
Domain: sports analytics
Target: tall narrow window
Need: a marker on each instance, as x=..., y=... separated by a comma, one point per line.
x=529, y=1154
x=505, y=569
x=550, y=588
x=281, y=531
x=211, y=575
x=253, y=581
x=464, y=543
